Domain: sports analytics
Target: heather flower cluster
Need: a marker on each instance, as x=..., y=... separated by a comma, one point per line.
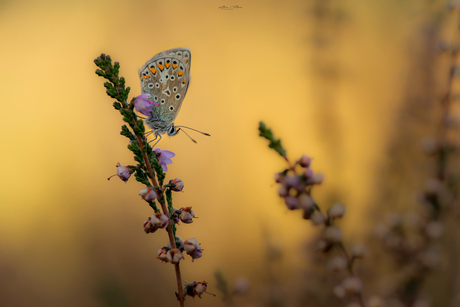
x=296, y=183
x=150, y=171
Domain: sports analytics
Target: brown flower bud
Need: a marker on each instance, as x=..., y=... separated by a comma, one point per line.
x=179, y=184
x=174, y=255
x=333, y=234
x=352, y=285
x=317, y=218
x=304, y=161
x=336, y=211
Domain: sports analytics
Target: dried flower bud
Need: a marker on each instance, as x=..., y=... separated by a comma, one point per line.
x=179, y=184
x=308, y=173
x=148, y=227
x=316, y=179
x=339, y=291
x=323, y=246
x=174, y=255
x=376, y=302
x=186, y=215
x=162, y=254
x=196, y=288
x=241, y=285
x=434, y=230
x=148, y=194
x=304, y=161
x=292, y=202
x=291, y=181
x=333, y=234
x=200, y=288
x=283, y=191
x=336, y=211
x=317, y=218
x=352, y=285
x=358, y=251
x=337, y=264
x=159, y=220
x=279, y=177
x=306, y=202
x=123, y=172
x=193, y=248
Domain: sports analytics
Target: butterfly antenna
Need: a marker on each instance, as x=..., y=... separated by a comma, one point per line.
x=204, y=133
x=187, y=135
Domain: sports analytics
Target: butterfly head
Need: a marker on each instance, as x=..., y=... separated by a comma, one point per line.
x=172, y=130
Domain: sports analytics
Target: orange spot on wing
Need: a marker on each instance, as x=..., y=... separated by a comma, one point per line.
x=145, y=77
x=153, y=70
x=186, y=61
x=161, y=67
x=167, y=65
x=183, y=81
x=174, y=66
x=180, y=73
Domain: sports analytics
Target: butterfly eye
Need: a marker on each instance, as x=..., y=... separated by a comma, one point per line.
x=174, y=88
x=171, y=130
x=150, y=85
x=162, y=101
x=171, y=108
x=177, y=96
x=157, y=85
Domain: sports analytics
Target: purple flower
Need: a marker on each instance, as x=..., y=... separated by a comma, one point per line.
x=144, y=105
x=165, y=157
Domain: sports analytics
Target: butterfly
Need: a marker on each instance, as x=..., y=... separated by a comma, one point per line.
x=166, y=78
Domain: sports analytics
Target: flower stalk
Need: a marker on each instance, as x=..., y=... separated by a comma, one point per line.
x=151, y=162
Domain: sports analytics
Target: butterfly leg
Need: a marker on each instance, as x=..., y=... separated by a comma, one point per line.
x=156, y=137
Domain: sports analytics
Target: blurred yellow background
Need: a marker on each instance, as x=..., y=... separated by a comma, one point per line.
x=330, y=87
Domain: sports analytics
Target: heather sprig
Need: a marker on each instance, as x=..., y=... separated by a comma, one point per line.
x=295, y=186
x=151, y=172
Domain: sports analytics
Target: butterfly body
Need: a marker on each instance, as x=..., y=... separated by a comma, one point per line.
x=166, y=78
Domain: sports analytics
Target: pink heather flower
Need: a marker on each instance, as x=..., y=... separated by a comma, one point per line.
x=148, y=194
x=124, y=172
x=193, y=248
x=165, y=158
x=144, y=105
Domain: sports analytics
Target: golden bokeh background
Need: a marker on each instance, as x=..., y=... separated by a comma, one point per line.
x=331, y=87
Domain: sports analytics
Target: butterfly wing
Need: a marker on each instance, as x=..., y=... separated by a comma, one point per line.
x=166, y=77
